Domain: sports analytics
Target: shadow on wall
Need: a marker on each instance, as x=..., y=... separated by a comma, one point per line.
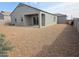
x=66, y=45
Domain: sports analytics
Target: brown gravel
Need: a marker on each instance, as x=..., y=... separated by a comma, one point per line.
x=54, y=40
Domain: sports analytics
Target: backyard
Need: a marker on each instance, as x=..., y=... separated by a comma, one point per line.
x=54, y=40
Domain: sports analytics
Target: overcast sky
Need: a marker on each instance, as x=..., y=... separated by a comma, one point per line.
x=69, y=8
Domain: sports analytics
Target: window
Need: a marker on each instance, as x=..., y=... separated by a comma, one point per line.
x=21, y=19
x=15, y=20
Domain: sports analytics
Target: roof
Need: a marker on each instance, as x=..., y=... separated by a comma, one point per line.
x=22, y=4
x=60, y=14
x=5, y=13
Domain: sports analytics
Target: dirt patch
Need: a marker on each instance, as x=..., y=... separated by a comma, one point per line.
x=54, y=40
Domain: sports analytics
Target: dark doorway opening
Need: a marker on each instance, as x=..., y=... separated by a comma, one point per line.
x=35, y=21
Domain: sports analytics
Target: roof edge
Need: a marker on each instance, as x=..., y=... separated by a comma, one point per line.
x=31, y=7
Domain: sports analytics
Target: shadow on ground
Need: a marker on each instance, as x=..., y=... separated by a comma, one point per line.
x=66, y=44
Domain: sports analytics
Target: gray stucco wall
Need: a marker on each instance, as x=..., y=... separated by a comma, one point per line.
x=28, y=20
x=76, y=24
x=5, y=19
x=49, y=19
x=61, y=19
x=25, y=10
x=20, y=12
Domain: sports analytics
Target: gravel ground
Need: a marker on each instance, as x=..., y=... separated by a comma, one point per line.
x=55, y=40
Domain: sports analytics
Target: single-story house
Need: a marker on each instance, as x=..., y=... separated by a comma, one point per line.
x=27, y=15
x=61, y=18
x=5, y=17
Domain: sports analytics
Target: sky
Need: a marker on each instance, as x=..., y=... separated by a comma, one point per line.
x=71, y=9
